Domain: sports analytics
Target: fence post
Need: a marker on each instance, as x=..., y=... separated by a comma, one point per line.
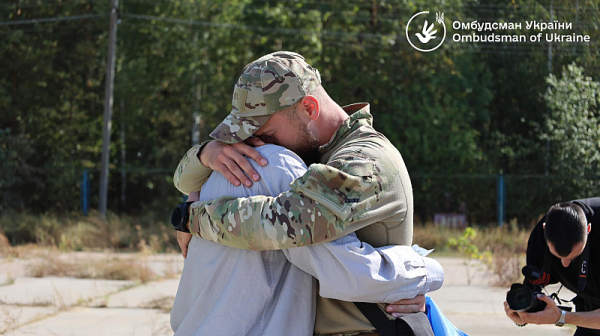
x=501, y=199
x=85, y=192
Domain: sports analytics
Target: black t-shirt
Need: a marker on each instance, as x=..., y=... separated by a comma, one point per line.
x=536, y=251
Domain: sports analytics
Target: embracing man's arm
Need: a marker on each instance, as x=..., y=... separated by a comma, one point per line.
x=327, y=202
x=229, y=160
x=191, y=174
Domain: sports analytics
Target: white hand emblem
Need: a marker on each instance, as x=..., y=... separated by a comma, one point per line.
x=428, y=35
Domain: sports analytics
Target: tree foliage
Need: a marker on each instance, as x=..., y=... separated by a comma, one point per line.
x=573, y=127
x=459, y=115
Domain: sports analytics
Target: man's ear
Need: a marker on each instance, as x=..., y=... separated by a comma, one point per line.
x=310, y=105
x=544, y=226
x=589, y=228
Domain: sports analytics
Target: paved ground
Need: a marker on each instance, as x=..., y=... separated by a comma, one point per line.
x=88, y=307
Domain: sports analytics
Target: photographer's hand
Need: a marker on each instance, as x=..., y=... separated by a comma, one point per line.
x=513, y=315
x=549, y=315
x=231, y=160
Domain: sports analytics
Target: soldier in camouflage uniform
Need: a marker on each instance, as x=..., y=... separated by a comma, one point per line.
x=360, y=183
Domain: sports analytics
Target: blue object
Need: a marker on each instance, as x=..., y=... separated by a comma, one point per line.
x=501, y=199
x=439, y=323
x=85, y=193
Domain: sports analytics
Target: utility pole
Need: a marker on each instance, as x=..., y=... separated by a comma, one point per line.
x=198, y=122
x=547, y=165
x=108, y=105
x=123, y=157
x=196, y=129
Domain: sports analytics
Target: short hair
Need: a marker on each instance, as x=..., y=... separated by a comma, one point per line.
x=290, y=112
x=566, y=226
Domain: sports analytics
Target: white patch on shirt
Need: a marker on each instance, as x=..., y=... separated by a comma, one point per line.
x=249, y=213
x=271, y=233
x=214, y=235
x=231, y=219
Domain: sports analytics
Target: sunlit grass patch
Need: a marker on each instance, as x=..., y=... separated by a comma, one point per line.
x=81, y=233
x=112, y=269
x=503, y=248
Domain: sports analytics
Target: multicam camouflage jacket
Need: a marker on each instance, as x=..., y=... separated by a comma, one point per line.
x=361, y=183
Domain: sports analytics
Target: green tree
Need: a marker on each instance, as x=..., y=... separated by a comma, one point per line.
x=573, y=127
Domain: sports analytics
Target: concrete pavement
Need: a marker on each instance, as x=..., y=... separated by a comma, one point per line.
x=94, y=307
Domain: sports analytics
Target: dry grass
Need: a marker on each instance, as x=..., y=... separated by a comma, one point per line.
x=505, y=239
x=493, y=239
x=430, y=236
x=165, y=304
x=507, y=246
x=507, y=269
x=6, y=250
x=78, y=233
x=39, y=238
x=115, y=269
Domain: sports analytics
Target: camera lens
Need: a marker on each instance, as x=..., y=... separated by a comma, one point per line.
x=521, y=298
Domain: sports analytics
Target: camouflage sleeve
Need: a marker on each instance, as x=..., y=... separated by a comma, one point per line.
x=322, y=205
x=191, y=174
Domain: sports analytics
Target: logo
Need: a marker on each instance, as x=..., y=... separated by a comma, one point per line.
x=584, y=267
x=426, y=39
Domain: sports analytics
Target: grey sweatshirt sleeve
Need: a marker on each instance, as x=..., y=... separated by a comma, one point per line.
x=350, y=270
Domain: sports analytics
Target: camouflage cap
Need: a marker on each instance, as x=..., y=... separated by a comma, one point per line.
x=267, y=85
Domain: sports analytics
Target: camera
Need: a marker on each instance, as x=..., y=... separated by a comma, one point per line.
x=522, y=298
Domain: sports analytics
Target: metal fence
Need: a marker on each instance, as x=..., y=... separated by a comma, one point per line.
x=483, y=199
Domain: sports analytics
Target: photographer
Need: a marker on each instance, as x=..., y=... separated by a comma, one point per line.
x=565, y=247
